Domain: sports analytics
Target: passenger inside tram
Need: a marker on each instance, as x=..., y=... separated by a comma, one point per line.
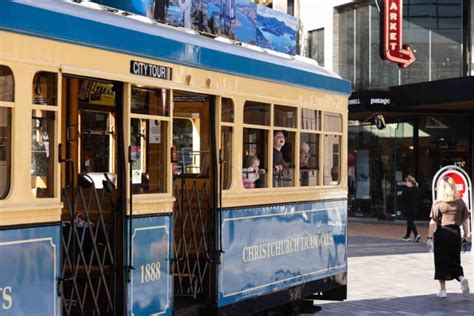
x=250, y=172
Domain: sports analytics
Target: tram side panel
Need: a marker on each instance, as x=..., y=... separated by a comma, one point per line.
x=30, y=270
x=276, y=247
x=150, y=290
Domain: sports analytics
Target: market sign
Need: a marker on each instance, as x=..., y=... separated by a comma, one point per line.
x=393, y=50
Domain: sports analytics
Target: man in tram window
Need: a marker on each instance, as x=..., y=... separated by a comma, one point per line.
x=279, y=163
x=304, y=163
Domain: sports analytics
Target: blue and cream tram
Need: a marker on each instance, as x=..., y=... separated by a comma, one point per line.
x=145, y=169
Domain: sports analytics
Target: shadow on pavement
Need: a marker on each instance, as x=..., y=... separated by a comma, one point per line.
x=454, y=304
x=361, y=246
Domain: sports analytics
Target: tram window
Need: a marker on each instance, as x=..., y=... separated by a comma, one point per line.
x=332, y=122
x=310, y=119
x=257, y=113
x=226, y=147
x=5, y=150
x=42, y=154
x=96, y=141
x=227, y=110
x=7, y=94
x=284, y=116
x=283, y=158
x=255, y=144
x=150, y=101
x=332, y=161
x=149, y=169
x=45, y=86
x=187, y=142
x=309, y=159
x=7, y=85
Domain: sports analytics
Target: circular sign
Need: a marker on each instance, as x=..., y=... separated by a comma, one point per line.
x=460, y=178
x=461, y=184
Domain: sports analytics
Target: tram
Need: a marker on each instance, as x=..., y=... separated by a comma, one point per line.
x=148, y=170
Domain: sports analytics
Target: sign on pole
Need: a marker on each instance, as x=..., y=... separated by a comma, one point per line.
x=462, y=180
x=463, y=185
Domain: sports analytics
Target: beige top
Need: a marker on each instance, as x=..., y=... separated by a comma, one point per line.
x=451, y=213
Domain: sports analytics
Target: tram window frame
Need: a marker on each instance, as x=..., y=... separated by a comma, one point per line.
x=149, y=183
x=333, y=129
x=44, y=118
x=310, y=127
x=7, y=105
x=227, y=140
x=284, y=174
x=250, y=147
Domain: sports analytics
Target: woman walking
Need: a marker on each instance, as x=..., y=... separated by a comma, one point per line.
x=447, y=214
x=410, y=198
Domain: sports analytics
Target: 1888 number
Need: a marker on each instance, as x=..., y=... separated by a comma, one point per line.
x=150, y=272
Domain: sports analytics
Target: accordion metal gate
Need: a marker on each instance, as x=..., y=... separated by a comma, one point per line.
x=89, y=248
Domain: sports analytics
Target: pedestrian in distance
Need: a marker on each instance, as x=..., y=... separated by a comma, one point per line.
x=410, y=207
x=447, y=214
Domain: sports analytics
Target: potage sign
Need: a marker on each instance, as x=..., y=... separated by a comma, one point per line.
x=393, y=49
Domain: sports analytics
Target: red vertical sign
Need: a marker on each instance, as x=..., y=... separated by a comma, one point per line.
x=394, y=51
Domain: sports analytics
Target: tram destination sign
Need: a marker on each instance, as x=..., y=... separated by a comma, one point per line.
x=150, y=70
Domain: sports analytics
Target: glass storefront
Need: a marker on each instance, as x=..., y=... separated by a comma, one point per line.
x=420, y=145
x=433, y=29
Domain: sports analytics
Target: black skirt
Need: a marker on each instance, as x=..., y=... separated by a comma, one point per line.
x=447, y=253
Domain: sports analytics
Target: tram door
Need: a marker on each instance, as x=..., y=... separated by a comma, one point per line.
x=93, y=212
x=193, y=187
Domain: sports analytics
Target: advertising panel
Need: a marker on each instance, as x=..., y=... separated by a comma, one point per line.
x=276, y=30
x=240, y=20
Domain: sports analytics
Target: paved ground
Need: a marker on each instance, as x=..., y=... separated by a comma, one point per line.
x=388, y=276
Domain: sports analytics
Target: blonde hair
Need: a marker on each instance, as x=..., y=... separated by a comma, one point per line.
x=412, y=180
x=249, y=160
x=446, y=190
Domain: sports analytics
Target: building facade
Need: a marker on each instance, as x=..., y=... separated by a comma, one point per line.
x=427, y=107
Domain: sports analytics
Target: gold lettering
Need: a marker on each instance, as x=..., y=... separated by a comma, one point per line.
x=393, y=26
x=393, y=16
x=7, y=297
x=393, y=6
x=285, y=247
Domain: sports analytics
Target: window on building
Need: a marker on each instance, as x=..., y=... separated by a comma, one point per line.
x=7, y=93
x=316, y=45
x=433, y=29
x=227, y=128
x=43, y=134
x=290, y=4
x=149, y=139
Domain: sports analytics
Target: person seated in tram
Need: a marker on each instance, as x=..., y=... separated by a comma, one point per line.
x=250, y=172
x=304, y=163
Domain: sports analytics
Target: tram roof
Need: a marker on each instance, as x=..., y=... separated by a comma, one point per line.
x=140, y=36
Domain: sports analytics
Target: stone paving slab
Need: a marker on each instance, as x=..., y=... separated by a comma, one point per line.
x=388, y=276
